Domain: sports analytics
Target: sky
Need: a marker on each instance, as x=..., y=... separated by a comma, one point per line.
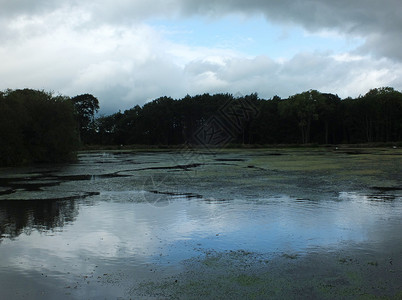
x=129, y=52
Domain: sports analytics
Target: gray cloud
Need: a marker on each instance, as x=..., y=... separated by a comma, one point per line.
x=104, y=48
x=358, y=16
x=267, y=78
x=379, y=22
x=350, y=16
x=18, y=7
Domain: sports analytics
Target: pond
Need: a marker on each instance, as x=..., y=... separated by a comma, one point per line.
x=200, y=224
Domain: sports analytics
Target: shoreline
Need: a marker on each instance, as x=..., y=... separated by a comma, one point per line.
x=390, y=145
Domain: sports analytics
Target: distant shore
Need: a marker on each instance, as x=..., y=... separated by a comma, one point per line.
x=392, y=145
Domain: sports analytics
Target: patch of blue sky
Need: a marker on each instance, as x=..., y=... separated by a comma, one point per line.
x=253, y=36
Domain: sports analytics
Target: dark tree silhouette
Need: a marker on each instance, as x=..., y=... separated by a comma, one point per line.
x=308, y=117
x=36, y=127
x=86, y=106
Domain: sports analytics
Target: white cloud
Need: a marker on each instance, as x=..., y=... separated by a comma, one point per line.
x=105, y=48
x=345, y=75
x=378, y=22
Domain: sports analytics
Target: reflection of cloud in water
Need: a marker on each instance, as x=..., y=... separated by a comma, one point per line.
x=120, y=228
x=379, y=213
x=111, y=219
x=374, y=197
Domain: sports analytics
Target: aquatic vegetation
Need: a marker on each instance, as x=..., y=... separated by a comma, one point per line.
x=290, y=256
x=313, y=276
x=231, y=224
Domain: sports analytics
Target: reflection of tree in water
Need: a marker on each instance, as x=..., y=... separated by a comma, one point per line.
x=25, y=216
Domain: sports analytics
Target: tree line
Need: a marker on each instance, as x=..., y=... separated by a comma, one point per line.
x=37, y=126
x=305, y=118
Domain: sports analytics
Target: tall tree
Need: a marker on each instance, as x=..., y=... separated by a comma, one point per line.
x=382, y=108
x=86, y=106
x=303, y=107
x=328, y=115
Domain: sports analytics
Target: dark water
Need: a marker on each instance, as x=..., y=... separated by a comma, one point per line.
x=99, y=228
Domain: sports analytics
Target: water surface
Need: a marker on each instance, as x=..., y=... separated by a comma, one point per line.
x=116, y=222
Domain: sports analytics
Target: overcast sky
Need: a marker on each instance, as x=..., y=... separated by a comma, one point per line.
x=130, y=52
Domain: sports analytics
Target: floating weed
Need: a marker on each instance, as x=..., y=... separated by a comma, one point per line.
x=343, y=260
x=240, y=253
x=247, y=280
x=398, y=296
x=212, y=261
x=290, y=256
x=362, y=172
x=225, y=280
x=354, y=278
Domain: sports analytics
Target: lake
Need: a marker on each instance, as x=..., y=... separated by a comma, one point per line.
x=200, y=224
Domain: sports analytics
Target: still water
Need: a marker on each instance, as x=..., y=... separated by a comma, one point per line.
x=99, y=228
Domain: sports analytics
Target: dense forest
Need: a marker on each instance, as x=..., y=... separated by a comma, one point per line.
x=216, y=120
x=36, y=126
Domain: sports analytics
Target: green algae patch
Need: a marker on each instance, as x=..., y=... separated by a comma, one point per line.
x=248, y=275
x=290, y=256
x=247, y=280
x=261, y=171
